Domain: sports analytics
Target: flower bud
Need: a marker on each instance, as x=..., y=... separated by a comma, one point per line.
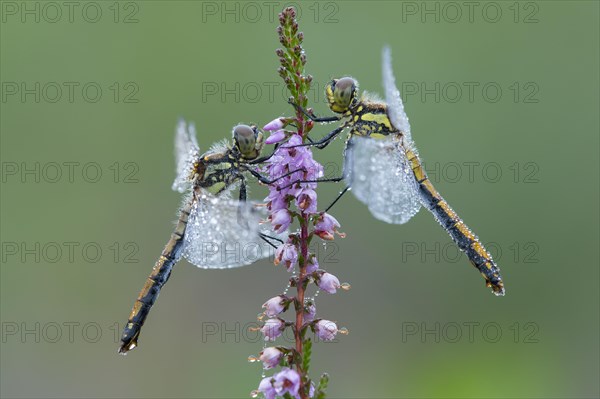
x=328, y=283
x=274, y=306
x=275, y=124
x=270, y=357
x=276, y=137
x=272, y=329
x=326, y=329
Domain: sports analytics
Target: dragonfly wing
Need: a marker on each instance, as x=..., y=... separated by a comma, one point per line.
x=186, y=154
x=381, y=178
x=395, y=107
x=225, y=233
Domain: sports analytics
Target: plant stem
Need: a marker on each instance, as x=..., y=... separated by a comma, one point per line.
x=300, y=298
x=292, y=61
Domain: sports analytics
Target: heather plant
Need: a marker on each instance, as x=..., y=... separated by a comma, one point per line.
x=290, y=204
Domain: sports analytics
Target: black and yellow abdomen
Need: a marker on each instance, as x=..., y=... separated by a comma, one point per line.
x=456, y=228
x=155, y=281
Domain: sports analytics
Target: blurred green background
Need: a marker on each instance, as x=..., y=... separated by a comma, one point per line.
x=421, y=322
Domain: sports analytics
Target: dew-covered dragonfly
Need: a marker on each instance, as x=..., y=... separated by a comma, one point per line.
x=213, y=231
x=382, y=166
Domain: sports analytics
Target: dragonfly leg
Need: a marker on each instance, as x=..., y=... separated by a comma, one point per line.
x=267, y=239
x=265, y=158
x=324, y=142
x=333, y=179
x=264, y=180
x=340, y=195
x=325, y=180
x=243, y=190
x=241, y=220
x=242, y=198
x=312, y=117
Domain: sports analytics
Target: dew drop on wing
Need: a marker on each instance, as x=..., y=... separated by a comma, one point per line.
x=393, y=99
x=388, y=187
x=225, y=233
x=186, y=154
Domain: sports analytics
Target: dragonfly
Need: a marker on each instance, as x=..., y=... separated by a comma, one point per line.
x=382, y=166
x=213, y=230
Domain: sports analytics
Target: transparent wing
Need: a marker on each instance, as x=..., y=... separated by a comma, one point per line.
x=186, y=153
x=393, y=100
x=224, y=233
x=381, y=178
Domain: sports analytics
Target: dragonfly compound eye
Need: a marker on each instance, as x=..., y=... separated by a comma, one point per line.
x=341, y=94
x=245, y=139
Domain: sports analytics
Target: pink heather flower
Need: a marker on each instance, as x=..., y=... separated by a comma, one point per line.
x=287, y=380
x=272, y=329
x=295, y=140
x=300, y=161
x=328, y=283
x=313, y=265
x=274, y=306
x=270, y=357
x=287, y=253
x=275, y=124
x=266, y=387
x=277, y=165
x=310, y=311
x=276, y=202
x=312, y=169
x=280, y=220
x=326, y=226
x=326, y=329
x=276, y=137
x=306, y=200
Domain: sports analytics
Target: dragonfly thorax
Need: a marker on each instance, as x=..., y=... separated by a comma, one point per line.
x=370, y=119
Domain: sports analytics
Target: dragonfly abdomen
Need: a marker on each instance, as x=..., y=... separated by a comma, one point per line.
x=155, y=281
x=456, y=228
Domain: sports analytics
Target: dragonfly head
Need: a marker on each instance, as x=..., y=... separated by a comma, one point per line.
x=248, y=140
x=342, y=94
